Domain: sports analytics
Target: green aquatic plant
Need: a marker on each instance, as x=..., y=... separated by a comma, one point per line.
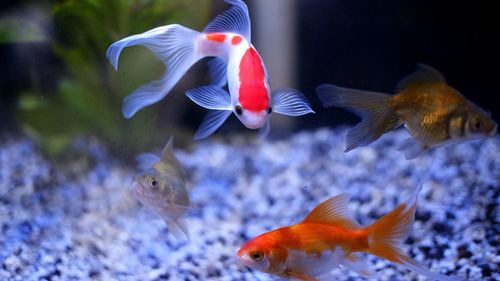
x=88, y=98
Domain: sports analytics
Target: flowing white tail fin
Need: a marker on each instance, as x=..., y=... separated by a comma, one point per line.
x=175, y=45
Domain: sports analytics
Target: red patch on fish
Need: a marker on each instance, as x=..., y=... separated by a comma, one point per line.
x=216, y=37
x=253, y=93
x=236, y=40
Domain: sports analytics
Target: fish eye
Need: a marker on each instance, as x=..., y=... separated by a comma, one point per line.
x=238, y=109
x=153, y=183
x=476, y=124
x=269, y=110
x=256, y=256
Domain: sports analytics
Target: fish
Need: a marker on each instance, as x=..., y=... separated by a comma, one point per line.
x=161, y=187
x=434, y=113
x=235, y=62
x=329, y=237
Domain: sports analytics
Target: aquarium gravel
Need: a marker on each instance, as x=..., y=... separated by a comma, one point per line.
x=56, y=226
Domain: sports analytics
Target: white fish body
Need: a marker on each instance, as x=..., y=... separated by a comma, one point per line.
x=236, y=62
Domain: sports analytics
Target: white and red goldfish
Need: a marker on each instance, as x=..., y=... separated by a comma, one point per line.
x=236, y=62
x=329, y=237
x=434, y=113
x=161, y=187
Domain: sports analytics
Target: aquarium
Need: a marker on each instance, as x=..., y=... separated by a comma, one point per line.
x=249, y=140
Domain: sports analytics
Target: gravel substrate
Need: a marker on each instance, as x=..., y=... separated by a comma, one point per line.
x=88, y=226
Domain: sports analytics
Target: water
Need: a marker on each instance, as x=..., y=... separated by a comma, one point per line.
x=67, y=154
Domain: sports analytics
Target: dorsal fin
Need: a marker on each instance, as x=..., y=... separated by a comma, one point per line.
x=333, y=211
x=234, y=19
x=168, y=150
x=423, y=74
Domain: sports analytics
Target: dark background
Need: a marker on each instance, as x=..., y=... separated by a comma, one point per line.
x=362, y=44
x=372, y=44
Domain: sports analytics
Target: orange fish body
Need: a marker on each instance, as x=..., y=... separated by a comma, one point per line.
x=328, y=237
x=434, y=113
x=429, y=116
x=316, y=238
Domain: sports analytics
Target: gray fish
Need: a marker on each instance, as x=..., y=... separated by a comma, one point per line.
x=161, y=187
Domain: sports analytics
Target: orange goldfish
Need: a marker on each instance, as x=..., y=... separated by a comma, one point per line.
x=329, y=237
x=434, y=113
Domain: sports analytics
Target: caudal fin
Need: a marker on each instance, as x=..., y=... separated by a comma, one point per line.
x=175, y=45
x=374, y=109
x=387, y=235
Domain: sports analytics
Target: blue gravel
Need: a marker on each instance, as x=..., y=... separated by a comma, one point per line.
x=60, y=227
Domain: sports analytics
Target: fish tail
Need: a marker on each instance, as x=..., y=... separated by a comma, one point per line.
x=387, y=235
x=378, y=117
x=175, y=45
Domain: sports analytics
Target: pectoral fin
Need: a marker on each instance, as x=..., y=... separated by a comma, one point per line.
x=299, y=275
x=290, y=102
x=210, y=97
x=211, y=123
x=412, y=148
x=178, y=229
x=355, y=263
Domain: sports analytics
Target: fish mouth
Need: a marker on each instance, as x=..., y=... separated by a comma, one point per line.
x=244, y=258
x=136, y=188
x=254, y=120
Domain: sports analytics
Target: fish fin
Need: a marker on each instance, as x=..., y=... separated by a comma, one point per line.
x=290, y=102
x=217, y=68
x=423, y=74
x=210, y=97
x=387, y=235
x=412, y=148
x=234, y=19
x=146, y=161
x=377, y=116
x=168, y=150
x=412, y=265
x=178, y=229
x=356, y=263
x=299, y=275
x=333, y=211
x=173, y=44
x=264, y=131
x=213, y=120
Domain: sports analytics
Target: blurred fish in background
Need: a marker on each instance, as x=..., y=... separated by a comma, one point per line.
x=161, y=187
